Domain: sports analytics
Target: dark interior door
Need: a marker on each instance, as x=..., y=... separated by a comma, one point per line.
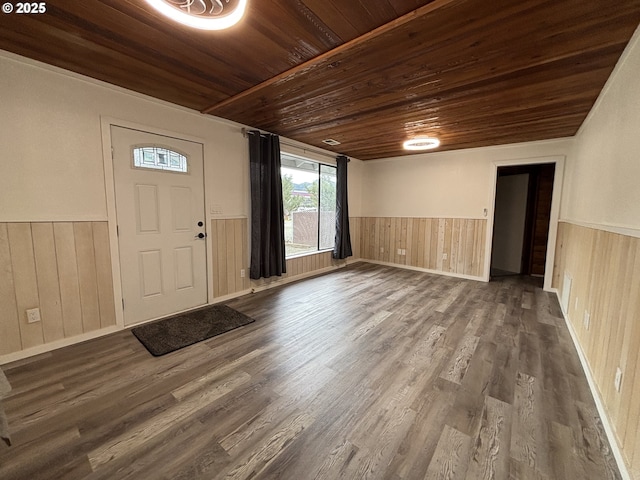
x=538, y=214
x=534, y=254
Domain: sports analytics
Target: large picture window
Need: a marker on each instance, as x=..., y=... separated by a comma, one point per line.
x=309, y=200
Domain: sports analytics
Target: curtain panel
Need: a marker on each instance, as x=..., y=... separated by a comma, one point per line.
x=342, y=247
x=267, y=214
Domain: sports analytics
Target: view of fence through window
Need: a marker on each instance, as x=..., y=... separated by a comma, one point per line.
x=309, y=198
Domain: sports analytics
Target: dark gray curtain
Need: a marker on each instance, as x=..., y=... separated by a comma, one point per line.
x=342, y=248
x=267, y=215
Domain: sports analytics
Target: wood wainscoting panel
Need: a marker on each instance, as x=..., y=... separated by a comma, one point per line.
x=25, y=281
x=69, y=280
x=62, y=268
x=605, y=272
x=219, y=258
x=102, y=250
x=355, y=225
x=230, y=256
x=87, y=273
x=9, y=321
x=448, y=245
x=302, y=266
x=44, y=249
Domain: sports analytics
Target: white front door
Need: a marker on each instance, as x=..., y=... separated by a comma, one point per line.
x=161, y=224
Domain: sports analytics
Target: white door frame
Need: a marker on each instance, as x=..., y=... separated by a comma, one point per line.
x=110, y=188
x=559, y=161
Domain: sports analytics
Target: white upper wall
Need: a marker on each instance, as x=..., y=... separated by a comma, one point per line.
x=454, y=184
x=602, y=184
x=355, y=187
x=50, y=132
x=51, y=168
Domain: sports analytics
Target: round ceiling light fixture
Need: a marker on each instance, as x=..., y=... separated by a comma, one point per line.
x=421, y=143
x=202, y=14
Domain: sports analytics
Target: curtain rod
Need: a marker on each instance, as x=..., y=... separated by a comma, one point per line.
x=245, y=132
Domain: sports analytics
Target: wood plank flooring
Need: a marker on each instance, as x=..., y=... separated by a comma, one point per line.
x=366, y=372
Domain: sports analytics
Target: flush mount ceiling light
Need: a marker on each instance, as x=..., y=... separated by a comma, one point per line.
x=202, y=14
x=421, y=143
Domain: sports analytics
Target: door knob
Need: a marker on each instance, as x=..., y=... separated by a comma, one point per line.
x=200, y=224
x=201, y=235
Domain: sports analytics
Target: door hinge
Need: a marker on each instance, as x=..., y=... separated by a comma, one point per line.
x=111, y=153
x=117, y=230
x=123, y=304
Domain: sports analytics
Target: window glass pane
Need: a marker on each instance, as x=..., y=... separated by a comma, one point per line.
x=159, y=158
x=174, y=159
x=309, y=198
x=149, y=158
x=300, y=202
x=327, y=206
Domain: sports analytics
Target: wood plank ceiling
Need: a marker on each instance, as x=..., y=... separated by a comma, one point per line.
x=368, y=74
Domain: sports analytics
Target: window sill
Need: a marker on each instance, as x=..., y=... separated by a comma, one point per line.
x=307, y=254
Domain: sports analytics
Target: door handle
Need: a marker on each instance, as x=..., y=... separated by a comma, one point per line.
x=201, y=235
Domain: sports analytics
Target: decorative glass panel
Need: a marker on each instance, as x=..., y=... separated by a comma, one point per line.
x=159, y=158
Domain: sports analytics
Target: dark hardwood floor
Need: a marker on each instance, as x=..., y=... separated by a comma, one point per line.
x=367, y=372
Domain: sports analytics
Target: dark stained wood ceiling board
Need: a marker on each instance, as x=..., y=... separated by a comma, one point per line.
x=368, y=74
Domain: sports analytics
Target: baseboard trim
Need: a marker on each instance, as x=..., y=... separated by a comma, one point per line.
x=65, y=342
x=231, y=296
x=215, y=301
x=48, y=347
x=606, y=423
x=283, y=281
x=425, y=270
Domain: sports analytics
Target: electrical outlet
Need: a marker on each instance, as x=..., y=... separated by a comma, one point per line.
x=33, y=315
x=618, y=380
x=404, y=251
x=242, y=274
x=399, y=251
x=381, y=249
x=586, y=320
x=445, y=256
